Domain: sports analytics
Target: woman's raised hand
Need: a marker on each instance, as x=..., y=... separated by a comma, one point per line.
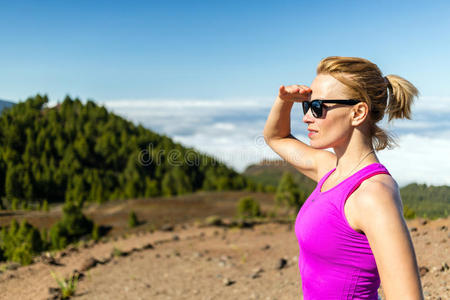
x=295, y=93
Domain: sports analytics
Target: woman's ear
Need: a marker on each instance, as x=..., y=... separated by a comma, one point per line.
x=359, y=113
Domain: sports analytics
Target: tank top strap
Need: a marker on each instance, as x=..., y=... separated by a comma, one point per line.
x=324, y=177
x=350, y=185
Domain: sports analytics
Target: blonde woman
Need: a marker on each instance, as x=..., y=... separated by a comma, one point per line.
x=351, y=231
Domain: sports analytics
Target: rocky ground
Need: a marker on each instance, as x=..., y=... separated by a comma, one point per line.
x=189, y=261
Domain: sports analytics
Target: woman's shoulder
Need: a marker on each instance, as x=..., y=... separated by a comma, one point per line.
x=378, y=194
x=385, y=181
x=377, y=198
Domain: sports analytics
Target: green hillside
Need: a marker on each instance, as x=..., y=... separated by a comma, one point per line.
x=82, y=152
x=270, y=172
x=427, y=201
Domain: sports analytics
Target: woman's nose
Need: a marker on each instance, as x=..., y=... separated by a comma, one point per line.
x=308, y=117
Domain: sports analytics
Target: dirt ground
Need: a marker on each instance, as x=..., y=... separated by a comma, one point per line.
x=194, y=262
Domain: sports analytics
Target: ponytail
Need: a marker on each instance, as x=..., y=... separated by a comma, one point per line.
x=401, y=97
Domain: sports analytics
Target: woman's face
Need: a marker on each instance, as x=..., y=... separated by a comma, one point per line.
x=334, y=127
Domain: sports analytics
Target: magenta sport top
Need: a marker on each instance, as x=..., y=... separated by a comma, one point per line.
x=335, y=261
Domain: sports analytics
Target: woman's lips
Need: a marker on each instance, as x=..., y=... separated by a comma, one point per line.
x=311, y=133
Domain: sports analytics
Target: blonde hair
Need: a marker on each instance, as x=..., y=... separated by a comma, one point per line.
x=366, y=82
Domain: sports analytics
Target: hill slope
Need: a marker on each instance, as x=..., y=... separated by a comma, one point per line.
x=269, y=172
x=82, y=152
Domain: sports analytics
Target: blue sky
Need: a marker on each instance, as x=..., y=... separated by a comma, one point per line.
x=132, y=56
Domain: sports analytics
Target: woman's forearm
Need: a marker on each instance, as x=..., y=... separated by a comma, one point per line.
x=278, y=124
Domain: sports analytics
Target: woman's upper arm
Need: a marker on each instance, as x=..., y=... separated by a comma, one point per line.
x=380, y=217
x=313, y=163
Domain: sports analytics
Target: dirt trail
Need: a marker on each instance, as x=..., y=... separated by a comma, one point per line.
x=207, y=263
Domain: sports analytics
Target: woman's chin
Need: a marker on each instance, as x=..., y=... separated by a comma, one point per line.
x=318, y=146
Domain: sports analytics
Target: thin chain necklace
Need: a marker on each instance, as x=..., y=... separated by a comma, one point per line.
x=312, y=200
x=358, y=163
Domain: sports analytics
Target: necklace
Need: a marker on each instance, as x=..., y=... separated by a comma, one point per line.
x=358, y=163
x=312, y=200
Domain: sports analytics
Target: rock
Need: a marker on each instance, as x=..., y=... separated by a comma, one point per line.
x=88, y=264
x=12, y=266
x=256, y=273
x=72, y=249
x=167, y=227
x=423, y=270
x=77, y=274
x=225, y=257
x=175, y=238
x=54, y=291
x=266, y=247
x=147, y=246
x=444, y=267
x=413, y=229
x=281, y=264
x=48, y=259
x=424, y=222
x=228, y=282
x=443, y=228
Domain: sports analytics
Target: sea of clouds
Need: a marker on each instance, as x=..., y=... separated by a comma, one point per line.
x=231, y=130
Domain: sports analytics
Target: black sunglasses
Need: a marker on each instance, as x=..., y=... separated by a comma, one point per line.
x=317, y=105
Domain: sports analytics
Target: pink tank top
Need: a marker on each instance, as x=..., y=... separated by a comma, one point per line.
x=335, y=261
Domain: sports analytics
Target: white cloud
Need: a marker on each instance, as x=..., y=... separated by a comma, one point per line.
x=432, y=104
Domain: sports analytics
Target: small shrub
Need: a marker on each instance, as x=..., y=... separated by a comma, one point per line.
x=132, y=220
x=288, y=194
x=72, y=226
x=213, y=221
x=408, y=213
x=248, y=208
x=45, y=206
x=67, y=286
x=270, y=189
x=20, y=242
x=95, y=233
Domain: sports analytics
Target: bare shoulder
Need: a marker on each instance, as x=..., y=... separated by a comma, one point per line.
x=377, y=200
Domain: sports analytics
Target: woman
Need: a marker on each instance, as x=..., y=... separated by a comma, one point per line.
x=351, y=231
